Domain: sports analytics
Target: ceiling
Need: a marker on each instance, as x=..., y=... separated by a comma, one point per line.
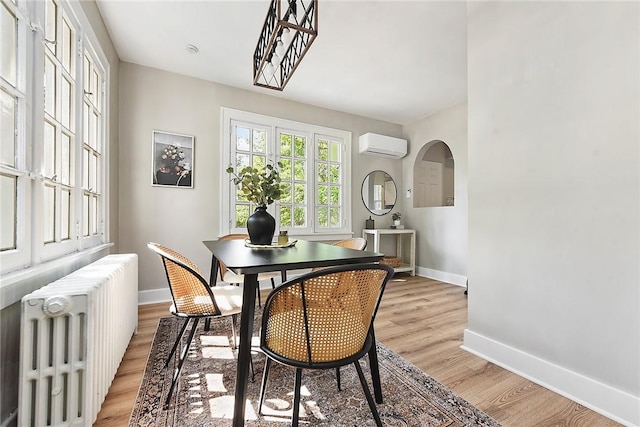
x=392, y=60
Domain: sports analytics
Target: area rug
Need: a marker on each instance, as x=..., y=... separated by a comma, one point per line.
x=205, y=394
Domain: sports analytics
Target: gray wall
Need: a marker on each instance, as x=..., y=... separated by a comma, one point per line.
x=441, y=232
x=554, y=195
x=181, y=218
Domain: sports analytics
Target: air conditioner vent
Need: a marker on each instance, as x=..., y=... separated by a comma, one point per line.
x=374, y=144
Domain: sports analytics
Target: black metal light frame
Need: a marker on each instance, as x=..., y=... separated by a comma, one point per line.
x=304, y=29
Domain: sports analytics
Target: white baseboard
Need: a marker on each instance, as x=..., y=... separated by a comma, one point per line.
x=442, y=276
x=154, y=296
x=616, y=404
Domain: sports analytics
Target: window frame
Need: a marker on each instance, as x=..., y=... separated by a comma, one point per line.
x=309, y=187
x=19, y=256
x=274, y=126
x=31, y=250
x=50, y=249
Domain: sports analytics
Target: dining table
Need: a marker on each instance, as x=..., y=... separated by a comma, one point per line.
x=249, y=261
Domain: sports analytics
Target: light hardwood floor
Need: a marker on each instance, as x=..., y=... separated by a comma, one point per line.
x=421, y=319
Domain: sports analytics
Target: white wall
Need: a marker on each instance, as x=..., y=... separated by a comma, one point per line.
x=554, y=196
x=441, y=232
x=182, y=218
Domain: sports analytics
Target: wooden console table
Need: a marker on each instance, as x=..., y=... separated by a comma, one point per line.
x=408, y=260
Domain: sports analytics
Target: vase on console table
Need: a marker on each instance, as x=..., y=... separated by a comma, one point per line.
x=261, y=226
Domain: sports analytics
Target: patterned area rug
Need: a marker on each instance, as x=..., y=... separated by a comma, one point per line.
x=205, y=394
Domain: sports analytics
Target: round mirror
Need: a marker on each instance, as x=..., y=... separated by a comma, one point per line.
x=379, y=192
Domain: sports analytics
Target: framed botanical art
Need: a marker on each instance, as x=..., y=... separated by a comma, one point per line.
x=172, y=160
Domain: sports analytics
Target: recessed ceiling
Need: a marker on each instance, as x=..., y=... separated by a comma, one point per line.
x=396, y=61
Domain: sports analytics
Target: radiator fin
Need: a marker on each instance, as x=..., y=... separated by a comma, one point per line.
x=74, y=334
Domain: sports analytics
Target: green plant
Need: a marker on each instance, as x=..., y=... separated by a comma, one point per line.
x=260, y=186
x=396, y=216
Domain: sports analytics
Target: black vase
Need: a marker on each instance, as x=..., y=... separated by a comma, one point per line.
x=261, y=226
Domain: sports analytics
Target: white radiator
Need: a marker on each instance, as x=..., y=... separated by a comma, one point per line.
x=74, y=334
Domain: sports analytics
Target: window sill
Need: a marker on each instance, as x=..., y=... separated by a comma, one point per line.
x=14, y=285
x=322, y=237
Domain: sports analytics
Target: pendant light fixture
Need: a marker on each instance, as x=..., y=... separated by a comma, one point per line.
x=289, y=29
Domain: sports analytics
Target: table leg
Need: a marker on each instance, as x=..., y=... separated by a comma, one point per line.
x=213, y=279
x=244, y=349
x=213, y=276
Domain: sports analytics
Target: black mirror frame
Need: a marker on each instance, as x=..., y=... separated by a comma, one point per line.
x=388, y=208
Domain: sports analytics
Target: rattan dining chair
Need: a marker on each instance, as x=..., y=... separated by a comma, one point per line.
x=194, y=299
x=323, y=320
x=357, y=243
x=230, y=277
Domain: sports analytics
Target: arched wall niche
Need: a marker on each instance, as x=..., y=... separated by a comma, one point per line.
x=433, y=176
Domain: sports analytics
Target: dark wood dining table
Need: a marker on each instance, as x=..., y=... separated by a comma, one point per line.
x=250, y=261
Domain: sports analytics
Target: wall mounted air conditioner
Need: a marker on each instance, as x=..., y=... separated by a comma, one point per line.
x=380, y=145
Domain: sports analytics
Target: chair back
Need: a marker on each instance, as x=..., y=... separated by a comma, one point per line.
x=189, y=289
x=358, y=243
x=322, y=319
x=223, y=268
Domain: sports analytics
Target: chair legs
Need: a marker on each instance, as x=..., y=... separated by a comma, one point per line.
x=273, y=286
x=258, y=295
x=367, y=393
x=185, y=350
x=375, y=372
x=233, y=330
x=183, y=356
x=263, y=385
x=296, y=398
x=298, y=384
x=175, y=344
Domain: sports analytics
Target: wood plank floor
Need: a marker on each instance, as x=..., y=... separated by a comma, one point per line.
x=421, y=319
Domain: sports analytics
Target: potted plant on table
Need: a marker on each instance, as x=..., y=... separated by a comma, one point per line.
x=261, y=187
x=396, y=217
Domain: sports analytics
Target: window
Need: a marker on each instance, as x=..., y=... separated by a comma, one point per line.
x=328, y=165
x=294, y=206
x=59, y=123
x=92, y=146
x=52, y=95
x=13, y=78
x=314, y=159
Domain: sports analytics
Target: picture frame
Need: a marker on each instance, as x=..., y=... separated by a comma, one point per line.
x=172, y=160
